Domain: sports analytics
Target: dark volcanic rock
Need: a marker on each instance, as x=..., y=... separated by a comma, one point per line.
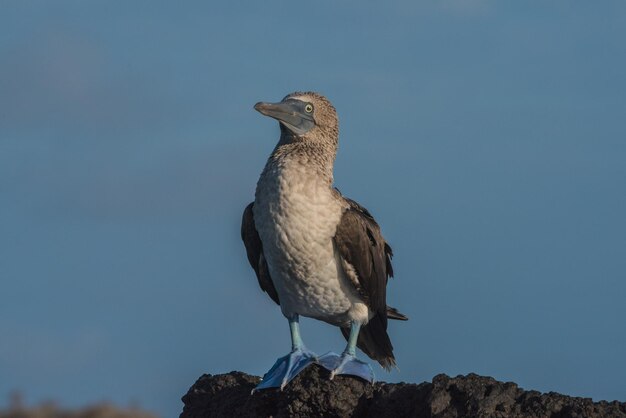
x=312, y=394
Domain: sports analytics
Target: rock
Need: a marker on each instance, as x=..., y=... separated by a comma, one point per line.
x=312, y=394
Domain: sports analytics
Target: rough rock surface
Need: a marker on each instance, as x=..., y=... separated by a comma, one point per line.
x=312, y=394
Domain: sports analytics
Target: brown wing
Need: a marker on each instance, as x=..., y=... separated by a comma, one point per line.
x=254, y=250
x=365, y=255
x=366, y=260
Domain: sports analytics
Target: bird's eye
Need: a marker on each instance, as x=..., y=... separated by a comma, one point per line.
x=308, y=108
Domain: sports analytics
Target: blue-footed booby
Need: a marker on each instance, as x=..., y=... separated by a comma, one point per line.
x=315, y=252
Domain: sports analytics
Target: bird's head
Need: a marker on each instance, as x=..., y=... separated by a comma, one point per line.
x=305, y=116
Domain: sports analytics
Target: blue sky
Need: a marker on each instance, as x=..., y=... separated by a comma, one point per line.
x=488, y=138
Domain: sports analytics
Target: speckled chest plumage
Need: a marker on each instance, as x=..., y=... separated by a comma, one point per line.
x=296, y=214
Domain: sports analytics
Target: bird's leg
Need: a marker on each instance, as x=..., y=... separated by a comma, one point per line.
x=347, y=363
x=288, y=367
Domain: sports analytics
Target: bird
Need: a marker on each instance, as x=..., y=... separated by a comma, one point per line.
x=316, y=253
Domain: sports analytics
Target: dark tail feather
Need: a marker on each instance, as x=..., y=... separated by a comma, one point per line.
x=392, y=313
x=374, y=341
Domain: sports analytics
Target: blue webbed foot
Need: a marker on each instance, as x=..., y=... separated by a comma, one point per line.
x=346, y=364
x=286, y=368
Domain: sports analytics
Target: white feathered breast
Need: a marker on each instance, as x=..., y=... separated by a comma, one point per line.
x=296, y=214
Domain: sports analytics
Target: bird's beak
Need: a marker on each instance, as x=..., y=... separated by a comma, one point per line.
x=290, y=113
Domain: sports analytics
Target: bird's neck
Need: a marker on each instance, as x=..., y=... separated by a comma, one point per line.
x=318, y=158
